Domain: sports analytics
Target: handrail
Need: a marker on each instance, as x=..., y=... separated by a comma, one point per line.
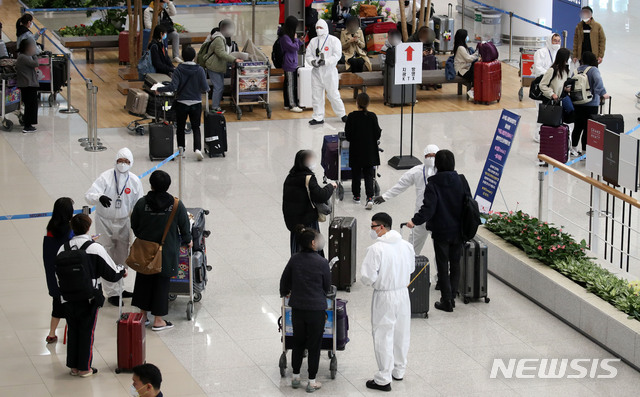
x=593, y=182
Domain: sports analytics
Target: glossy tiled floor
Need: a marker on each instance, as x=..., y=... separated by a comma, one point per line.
x=232, y=347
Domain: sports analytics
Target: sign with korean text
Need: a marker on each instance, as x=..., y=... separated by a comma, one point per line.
x=408, y=68
x=595, y=146
x=496, y=160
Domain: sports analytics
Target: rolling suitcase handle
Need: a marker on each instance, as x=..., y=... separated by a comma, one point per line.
x=602, y=102
x=413, y=237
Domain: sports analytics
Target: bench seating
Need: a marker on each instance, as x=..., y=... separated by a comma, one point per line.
x=429, y=77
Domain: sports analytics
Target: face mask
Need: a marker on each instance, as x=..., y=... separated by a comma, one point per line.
x=430, y=161
x=312, y=166
x=164, y=37
x=165, y=5
x=123, y=167
x=133, y=391
x=466, y=39
x=555, y=47
x=373, y=234
x=585, y=19
x=320, y=244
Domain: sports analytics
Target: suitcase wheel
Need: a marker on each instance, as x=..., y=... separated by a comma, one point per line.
x=173, y=297
x=118, y=370
x=466, y=300
x=348, y=289
x=197, y=297
x=283, y=364
x=333, y=366
x=486, y=299
x=189, y=310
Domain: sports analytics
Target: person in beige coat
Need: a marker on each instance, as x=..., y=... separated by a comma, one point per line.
x=589, y=36
x=353, y=47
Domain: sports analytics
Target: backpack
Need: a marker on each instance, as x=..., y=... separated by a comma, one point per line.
x=535, y=92
x=75, y=273
x=470, y=213
x=202, y=57
x=580, y=89
x=145, y=65
x=488, y=51
x=449, y=69
x=276, y=54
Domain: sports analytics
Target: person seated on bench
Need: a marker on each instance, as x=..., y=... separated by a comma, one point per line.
x=164, y=19
x=159, y=57
x=426, y=36
x=341, y=11
x=463, y=61
x=353, y=47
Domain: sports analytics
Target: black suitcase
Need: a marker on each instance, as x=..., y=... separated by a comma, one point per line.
x=473, y=271
x=215, y=132
x=342, y=244
x=155, y=106
x=160, y=141
x=419, y=287
x=613, y=122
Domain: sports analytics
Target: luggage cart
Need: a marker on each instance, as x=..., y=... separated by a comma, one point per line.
x=45, y=77
x=526, y=69
x=182, y=284
x=10, y=101
x=285, y=326
x=250, y=86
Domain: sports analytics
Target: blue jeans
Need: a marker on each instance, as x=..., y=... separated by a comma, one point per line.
x=217, y=79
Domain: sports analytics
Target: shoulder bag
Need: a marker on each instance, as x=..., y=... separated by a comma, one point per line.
x=323, y=209
x=145, y=257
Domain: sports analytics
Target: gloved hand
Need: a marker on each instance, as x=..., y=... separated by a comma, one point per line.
x=314, y=63
x=320, y=62
x=378, y=200
x=105, y=201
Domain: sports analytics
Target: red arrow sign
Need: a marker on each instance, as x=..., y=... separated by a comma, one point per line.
x=409, y=51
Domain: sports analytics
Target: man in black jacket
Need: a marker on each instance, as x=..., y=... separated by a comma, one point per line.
x=442, y=212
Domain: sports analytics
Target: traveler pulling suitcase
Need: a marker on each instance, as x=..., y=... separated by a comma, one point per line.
x=342, y=244
x=473, y=271
x=131, y=340
x=304, y=87
x=445, y=25
x=160, y=139
x=487, y=82
x=613, y=122
x=137, y=101
x=215, y=132
x=554, y=142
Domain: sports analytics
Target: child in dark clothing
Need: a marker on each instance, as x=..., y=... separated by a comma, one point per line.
x=363, y=133
x=159, y=57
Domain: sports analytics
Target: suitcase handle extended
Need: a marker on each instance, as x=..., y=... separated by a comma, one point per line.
x=602, y=102
x=413, y=236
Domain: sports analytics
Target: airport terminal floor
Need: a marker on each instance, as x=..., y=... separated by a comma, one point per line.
x=232, y=346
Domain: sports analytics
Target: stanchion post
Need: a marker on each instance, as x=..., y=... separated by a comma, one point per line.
x=253, y=21
x=463, y=7
x=180, y=171
x=94, y=144
x=510, y=34
x=595, y=228
x=540, y=193
x=564, y=38
x=70, y=108
x=86, y=210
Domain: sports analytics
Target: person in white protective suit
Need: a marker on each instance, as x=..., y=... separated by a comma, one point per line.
x=387, y=267
x=544, y=57
x=114, y=194
x=416, y=176
x=323, y=53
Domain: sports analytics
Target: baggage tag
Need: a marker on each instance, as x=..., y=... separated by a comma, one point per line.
x=118, y=203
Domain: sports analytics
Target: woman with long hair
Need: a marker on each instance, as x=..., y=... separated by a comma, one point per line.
x=27, y=81
x=463, y=61
x=554, y=79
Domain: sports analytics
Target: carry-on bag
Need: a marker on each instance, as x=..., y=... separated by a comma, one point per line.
x=550, y=114
x=137, y=101
x=329, y=158
x=392, y=93
x=380, y=27
x=554, y=142
x=198, y=228
x=487, y=82
x=160, y=137
x=446, y=30
x=342, y=244
x=131, y=340
x=419, y=285
x=151, y=79
x=488, y=51
x=215, y=132
x=473, y=271
x=613, y=122
x=429, y=62
x=304, y=87
x=342, y=324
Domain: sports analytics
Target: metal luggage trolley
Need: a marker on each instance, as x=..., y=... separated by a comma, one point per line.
x=526, y=69
x=10, y=100
x=251, y=86
x=45, y=77
x=328, y=338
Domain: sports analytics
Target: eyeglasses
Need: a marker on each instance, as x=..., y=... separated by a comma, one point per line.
x=375, y=226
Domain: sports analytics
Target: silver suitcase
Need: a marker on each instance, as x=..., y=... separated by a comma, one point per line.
x=137, y=101
x=445, y=29
x=473, y=271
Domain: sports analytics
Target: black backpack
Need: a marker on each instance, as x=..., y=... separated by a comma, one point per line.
x=470, y=213
x=75, y=273
x=276, y=54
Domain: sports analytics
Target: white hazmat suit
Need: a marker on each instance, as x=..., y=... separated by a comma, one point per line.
x=112, y=223
x=324, y=78
x=387, y=267
x=416, y=176
x=544, y=57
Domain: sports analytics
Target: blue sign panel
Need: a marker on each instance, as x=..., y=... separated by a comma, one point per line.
x=496, y=159
x=565, y=16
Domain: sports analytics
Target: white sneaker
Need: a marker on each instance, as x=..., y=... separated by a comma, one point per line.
x=286, y=108
x=369, y=205
x=296, y=109
x=470, y=94
x=574, y=152
x=199, y=155
x=177, y=60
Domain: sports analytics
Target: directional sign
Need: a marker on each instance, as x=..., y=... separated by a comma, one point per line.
x=408, y=64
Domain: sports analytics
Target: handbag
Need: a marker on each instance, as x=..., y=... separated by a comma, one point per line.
x=550, y=114
x=535, y=92
x=323, y=209
x=145, y=256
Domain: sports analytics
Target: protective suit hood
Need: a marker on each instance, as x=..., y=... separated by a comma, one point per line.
x=125, y=153
x=549, y=46
x=391, y=237
x=431, y=149
x=324, y=28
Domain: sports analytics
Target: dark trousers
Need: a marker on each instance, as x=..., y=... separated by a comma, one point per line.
x=290, y=92
x=30, y=101
x=357, y=65
x=448, y=253
x=151, y=293
x=357, y=173
x=308, y=327
x=469, y=75
x=294, y=243
x=194, y=113
x=81, y=323
x=583, y=114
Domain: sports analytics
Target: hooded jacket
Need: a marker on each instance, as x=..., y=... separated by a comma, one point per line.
x=290, y=49
x=543, y=58
x=442, y=206
x=326, y=44
x=388, y=263
x=128, y=187
x=188, y=81
x=218, y=55
x=363, y=132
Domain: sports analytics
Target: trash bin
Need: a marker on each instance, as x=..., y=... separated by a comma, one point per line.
x=491, y=26
x=477, y=23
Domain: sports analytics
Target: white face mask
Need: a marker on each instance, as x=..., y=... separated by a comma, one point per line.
x=555, y=47
x=585, y=20
x=430, y=161
x=312, y=166
x=133, y=391
x=320, y=244
x=123, y=167
x=373, y=234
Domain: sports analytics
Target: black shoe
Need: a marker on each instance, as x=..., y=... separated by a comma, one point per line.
x=397, y=379
x=371, y=384
x=315, y=122
x=453, y=303
x=444, y=306
x=127, y=294
x=114, y=300
x=344, y=119
x=29, y=128
x=437, y=286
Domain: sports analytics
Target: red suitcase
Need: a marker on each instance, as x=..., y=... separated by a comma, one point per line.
x=554, y=142
x=380, y=27
x=131, y=341
x=487, y=82
x=123, y=47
